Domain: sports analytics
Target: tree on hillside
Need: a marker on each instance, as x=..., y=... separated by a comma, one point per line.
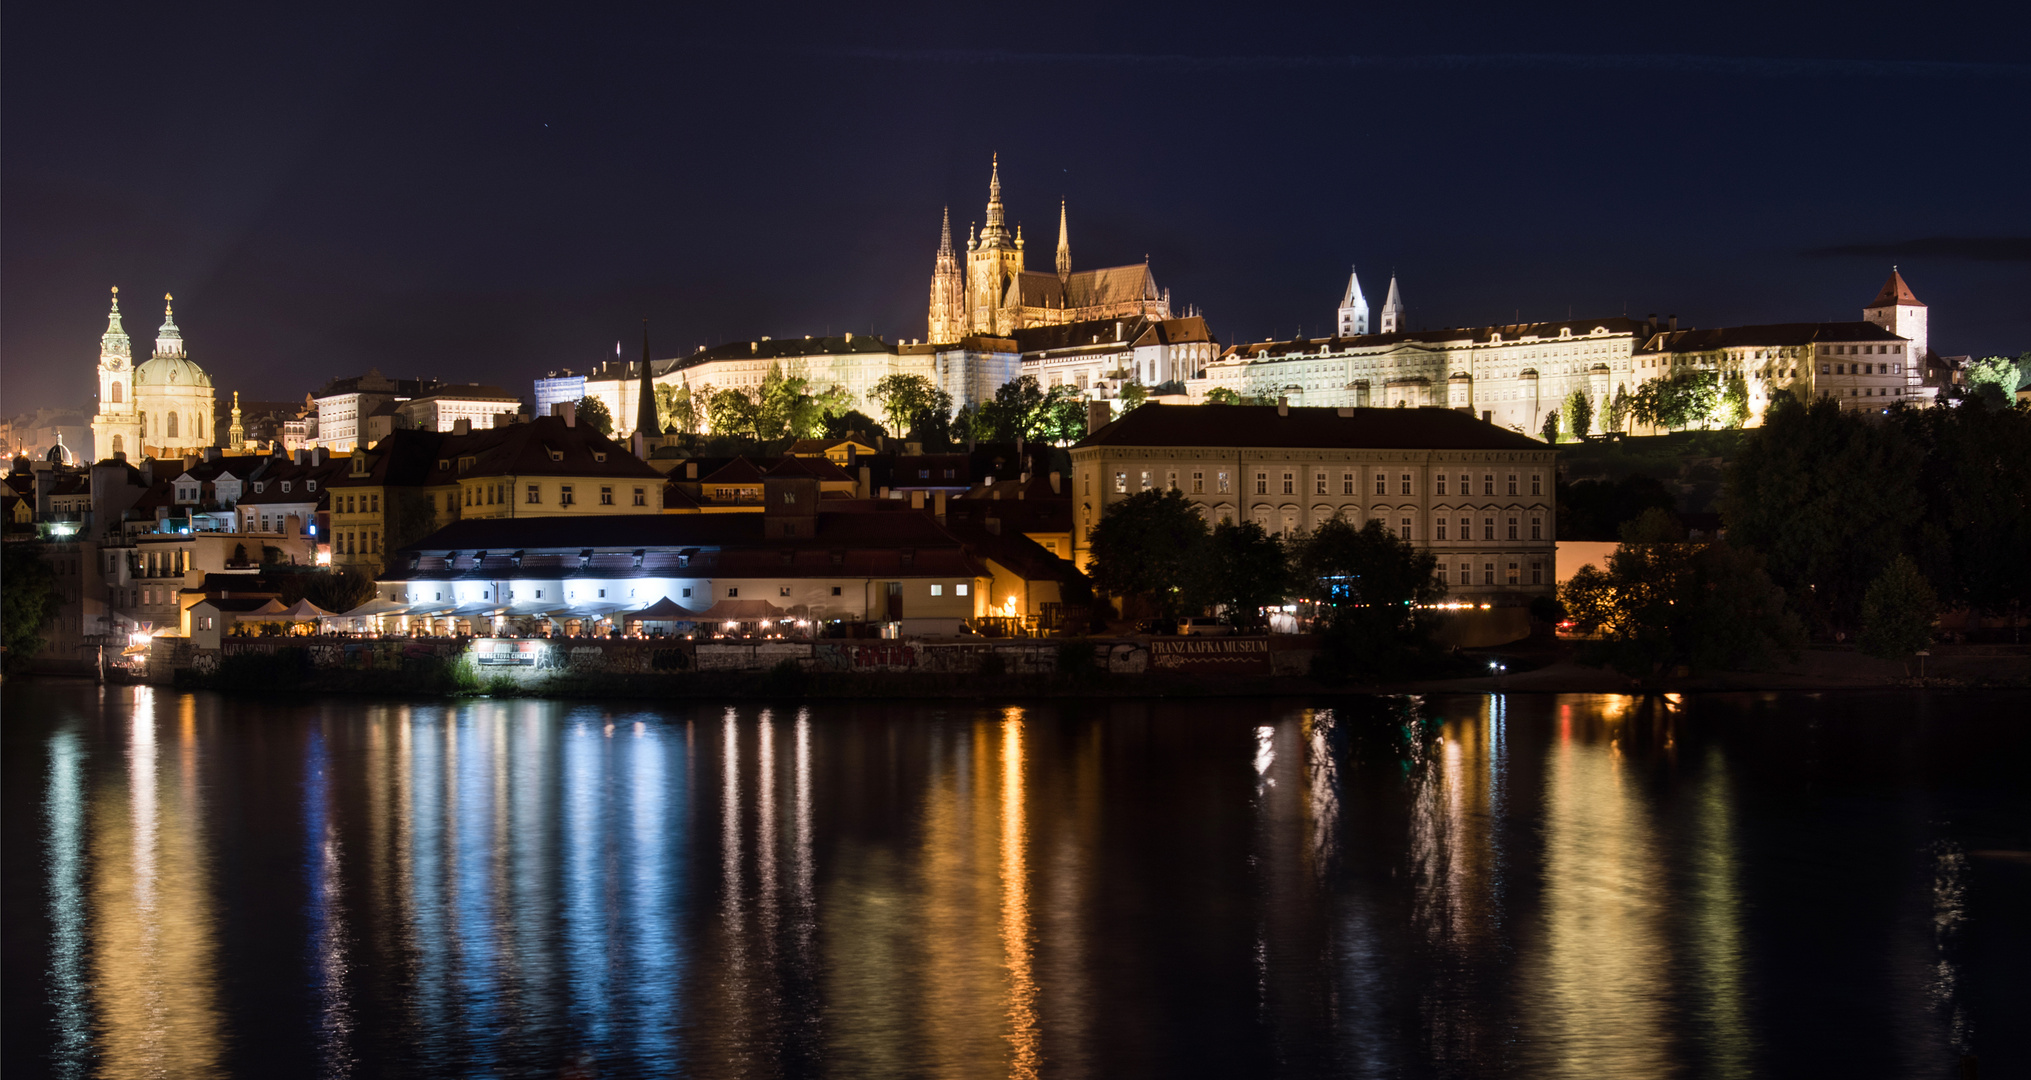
x=1064, y=415
x=1146, y=550
x=1993, y=380
x=675, y=409
x=1550, y=431
x=1244, y=570
x=730, y=412
x=1829, y=498
x=1221, y=395
x=932, y=424
x=1133, y=396
x=1618, y=410
x=1732, y=409
x=1974, y=486
x=1677, y=401
x=1579, y=413
x=900, y=398
x=1897, y=612
x=591, y=412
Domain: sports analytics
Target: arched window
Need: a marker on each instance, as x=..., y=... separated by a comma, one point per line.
x=144, y=424
x=171, y=433
x=119, y=445
x=116, y=395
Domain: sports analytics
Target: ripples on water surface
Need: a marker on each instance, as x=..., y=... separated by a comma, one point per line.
x=1461, y=886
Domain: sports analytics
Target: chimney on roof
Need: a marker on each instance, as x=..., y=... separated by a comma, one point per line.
x=866, y=484
x=299, y=456
x=1674, y=323
x=568, y=410
x=1098, y=413
x=916, y=500
x=317, y=455
x=938, y=506
x=1283, y=406
x=690, y=470
x=213, y=453
x=461, y=426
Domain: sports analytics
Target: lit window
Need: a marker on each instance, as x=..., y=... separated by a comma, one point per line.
x=937, y=590
x=959, y=590
x=1121, y=483
x=1198, y=483
x=606, y=495
x=534, y=494
x=782, y=590
x=1223, y=483
x=1319, y=484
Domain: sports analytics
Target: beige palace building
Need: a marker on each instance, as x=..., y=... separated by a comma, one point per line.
x=1479, y=496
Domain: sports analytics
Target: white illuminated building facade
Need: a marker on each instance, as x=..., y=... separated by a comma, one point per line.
x=162, y=407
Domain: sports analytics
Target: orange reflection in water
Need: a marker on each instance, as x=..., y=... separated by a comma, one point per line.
x=155, y=940
x=1015, y=901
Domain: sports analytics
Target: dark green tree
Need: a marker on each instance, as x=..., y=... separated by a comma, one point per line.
x=1133, y=396
x=1897, y=612
x=1975, y=485
x=28, y=600
x=853, y=422
x=1015, y=412
x=901, y=397
x=1147, y=550
x=1245, y=570
x=1064, y=415
x=1618, y=409
x=592, y=413
x=1663, y=601
x=1367, y=586
x=1550, y=431
x=1829, y=498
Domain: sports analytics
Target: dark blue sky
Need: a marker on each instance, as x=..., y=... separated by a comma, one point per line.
x=479, y=195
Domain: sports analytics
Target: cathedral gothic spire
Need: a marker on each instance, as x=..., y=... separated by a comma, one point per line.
x=645, y=397
x=948, y=289
x=1064, y=246
x=995, y=232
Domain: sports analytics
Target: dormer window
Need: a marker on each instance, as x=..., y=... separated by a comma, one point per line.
x=443, y=464
x=260, y=486
x=285, y=486
x=557, y=455
x=597, y=455
x=310, y=485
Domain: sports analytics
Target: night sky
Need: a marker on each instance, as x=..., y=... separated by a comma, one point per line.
x=479, y=196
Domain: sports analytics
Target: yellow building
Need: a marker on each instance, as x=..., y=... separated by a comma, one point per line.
x=413, y=483
x=162, y=407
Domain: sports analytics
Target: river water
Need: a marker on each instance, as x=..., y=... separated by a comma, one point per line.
x=1523, y=885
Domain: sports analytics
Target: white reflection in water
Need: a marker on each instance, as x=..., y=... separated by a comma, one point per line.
x=1322, y=790
x=1602, y=977
x=648, y=932
x=1949, y=911
x=806, y=910
x=329, y=962
x=765, y=826
x=1023, y=1035
x=729, y=843
x=64, y=806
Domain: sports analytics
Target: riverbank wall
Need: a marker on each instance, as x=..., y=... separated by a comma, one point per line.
x=677, y=668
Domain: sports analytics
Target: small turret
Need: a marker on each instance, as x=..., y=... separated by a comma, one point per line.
x=1353, y=308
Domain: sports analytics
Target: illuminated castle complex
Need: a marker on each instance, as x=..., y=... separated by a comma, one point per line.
x=996, y=294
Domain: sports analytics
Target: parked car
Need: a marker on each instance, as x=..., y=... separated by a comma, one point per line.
x=1203, y=627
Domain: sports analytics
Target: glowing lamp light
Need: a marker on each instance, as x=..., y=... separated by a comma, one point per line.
x=138, y=637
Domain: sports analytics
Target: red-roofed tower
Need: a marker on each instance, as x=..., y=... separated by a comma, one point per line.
x=1898, y=310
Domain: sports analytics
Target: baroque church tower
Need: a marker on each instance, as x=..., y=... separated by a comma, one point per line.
x=117, y=427
x=948, y=291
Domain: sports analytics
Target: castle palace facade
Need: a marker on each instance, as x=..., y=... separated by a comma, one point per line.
x=995, y=294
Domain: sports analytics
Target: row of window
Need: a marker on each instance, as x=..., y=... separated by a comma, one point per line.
x=1406, y=483
x=733, y=592
x=1512, y=574
x=1866, y=391
x=363, y=542
x=1863, y=369
x=497, y=494
x=1866, y=350
x=360, y=504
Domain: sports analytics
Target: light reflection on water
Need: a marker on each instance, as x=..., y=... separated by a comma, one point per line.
x=1376, y=887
